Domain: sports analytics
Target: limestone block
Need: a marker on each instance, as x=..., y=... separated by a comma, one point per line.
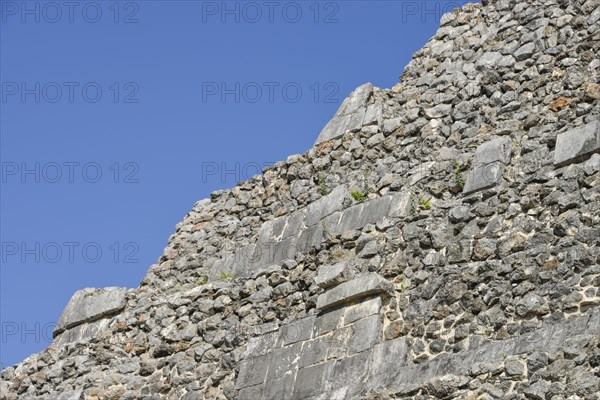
x=577, y=144
x=366, y=334
x=253, y=371
x=81, y=333
x=88, y=305
x=488, y=164
x=326, y=205
x=350, y=115
x=314, y=351
x=312, y=381
x=296, y=331
x=360, y=287
x=284, y=361
x=332, y=275
x=362, y=310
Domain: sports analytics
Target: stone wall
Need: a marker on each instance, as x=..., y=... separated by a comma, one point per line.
x=440, y=240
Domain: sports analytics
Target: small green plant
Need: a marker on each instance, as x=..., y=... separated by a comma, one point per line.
x=323, y=189
x=425, y=204
x=201, y=281
x=403, y=285
x=413, y=207
x=225, y=275
x=458, y=176
x=358, y=196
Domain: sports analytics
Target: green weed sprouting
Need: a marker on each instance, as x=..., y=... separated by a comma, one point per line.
x=358, y=196
x=458, y=176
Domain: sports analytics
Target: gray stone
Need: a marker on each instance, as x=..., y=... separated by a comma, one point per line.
x=525, y=51
x=351, y=370
x=312, y=381
x=261, y=345
x=390, y=125
x=284, y=361
x=328, y=321
x=366, y=334
x=489, y=59
x=382, y=370
x=326, y=205
x=294, y=224
x=350, y=115
x=253, y=371
x=252, y=393
x=296, y=331
x=314, y=351
x=332, y=275
x=359, y=287
x=71, y=395
x=577, y=144
x=83, y=332
x=362, y=310
x=488, y=164
x=88, y=305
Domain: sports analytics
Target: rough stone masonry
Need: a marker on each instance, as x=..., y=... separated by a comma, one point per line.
x=439, y=241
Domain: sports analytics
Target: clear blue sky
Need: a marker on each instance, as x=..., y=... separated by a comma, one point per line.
x=117, y=117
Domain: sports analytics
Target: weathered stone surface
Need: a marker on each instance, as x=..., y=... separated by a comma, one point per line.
x=88, y=305
x=487, y=286
x=488, y=164
x=326, y=205
x=577, y=144
x=350, y=115
x=332, y=275
x=359, y=287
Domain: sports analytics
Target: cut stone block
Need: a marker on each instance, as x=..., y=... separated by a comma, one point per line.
x=350, y=371
x=488, y=164
x=284, y=361
x=294, y=225
x=312, y=381
x=362, y=310
x=296, y=331
x=314, y=351
x=253, y=371
x=400, y=204
x=577, y=144
x=366, y=334
x=328, y=322
x=82, y=333
x=88, y=305
x=332, y=275
x=350, y=115
x=326, y=205
x=359, y=287
x=279, y=388
x=261, y=345
x=251, y=393
x=382, y=366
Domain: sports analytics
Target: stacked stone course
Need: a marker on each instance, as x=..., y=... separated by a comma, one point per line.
x=440, y=240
